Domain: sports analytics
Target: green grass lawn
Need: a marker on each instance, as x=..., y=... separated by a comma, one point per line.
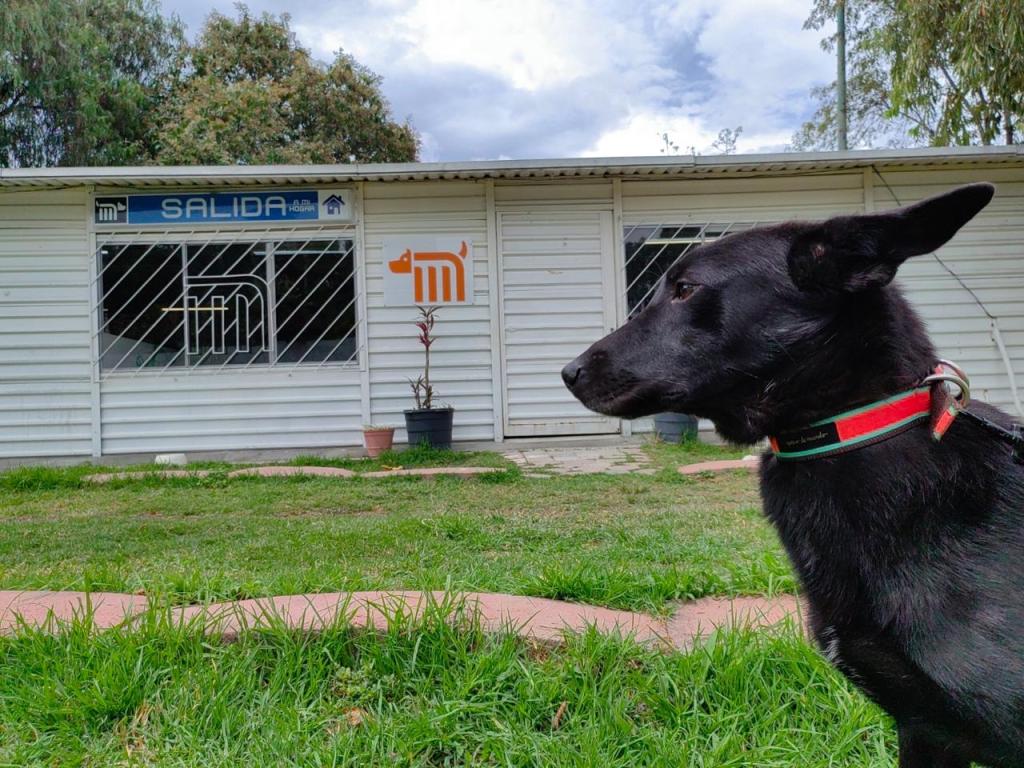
x=635, y=542
x=424, y=693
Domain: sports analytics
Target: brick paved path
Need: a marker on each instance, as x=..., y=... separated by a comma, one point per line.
x=533, y=617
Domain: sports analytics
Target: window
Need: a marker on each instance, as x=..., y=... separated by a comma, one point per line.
x=652, y=250
x=172, y=305
x=316, y=302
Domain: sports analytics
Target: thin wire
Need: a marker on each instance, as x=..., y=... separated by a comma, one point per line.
x=997, y=336
x=938, y=258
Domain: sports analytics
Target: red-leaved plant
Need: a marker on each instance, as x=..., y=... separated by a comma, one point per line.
x=422, y=391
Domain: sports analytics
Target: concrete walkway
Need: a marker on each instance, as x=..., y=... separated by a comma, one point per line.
x=532, y=617
x=620, y=459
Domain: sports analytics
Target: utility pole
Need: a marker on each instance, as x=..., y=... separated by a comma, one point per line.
x=841, y=73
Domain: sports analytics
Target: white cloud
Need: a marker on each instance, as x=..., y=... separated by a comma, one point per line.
x=760, y=65
x=524, y=42
x=492, y=78
x=643, y=133
x=761, y=57
x=531, y=44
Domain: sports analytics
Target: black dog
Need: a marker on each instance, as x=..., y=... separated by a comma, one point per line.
x=910, y=549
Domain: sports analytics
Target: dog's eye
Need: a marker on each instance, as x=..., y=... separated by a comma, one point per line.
x=684, y=291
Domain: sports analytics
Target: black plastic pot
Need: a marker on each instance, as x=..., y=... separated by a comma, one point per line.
x=675, y=427
x=432, y=426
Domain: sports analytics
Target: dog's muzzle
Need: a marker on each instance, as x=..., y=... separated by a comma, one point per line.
x=571, y=373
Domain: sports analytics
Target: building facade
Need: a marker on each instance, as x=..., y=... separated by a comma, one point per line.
x=219, y=309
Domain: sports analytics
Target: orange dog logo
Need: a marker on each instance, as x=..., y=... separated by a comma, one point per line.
x=436, y=275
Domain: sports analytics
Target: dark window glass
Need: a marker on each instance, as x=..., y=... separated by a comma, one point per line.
x=141, y=317
x=228, y=301
x=316, y=301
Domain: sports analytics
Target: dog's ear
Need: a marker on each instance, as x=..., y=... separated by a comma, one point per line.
x=853, y=253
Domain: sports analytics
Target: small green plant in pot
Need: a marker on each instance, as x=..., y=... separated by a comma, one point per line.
x=427, y=423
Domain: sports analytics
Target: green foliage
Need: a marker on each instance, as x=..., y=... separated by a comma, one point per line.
x=963, y=64
x=626, y=541
x=426, y=691
x=727, y=139
x=29, y=479
x=79, y=79
x=413, y=456
x=949, y=72
x=253, y=95
x=113, y=82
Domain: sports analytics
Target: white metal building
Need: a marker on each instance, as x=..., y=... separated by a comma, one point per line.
x=240, y=308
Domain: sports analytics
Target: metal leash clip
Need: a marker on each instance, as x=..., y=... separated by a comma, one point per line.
x=945, y=404
x=1017, y=441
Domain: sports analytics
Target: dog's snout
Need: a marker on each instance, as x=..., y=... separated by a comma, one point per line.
x=571, y=373
x=584, y=370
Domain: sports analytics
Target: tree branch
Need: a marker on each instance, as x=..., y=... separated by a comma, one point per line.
x=953, y=85
x=13, y=103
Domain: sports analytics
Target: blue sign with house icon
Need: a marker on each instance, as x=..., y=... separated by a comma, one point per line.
x=335, y=204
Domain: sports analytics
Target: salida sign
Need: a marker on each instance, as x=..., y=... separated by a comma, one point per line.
x=226, y=207
x=427, y=269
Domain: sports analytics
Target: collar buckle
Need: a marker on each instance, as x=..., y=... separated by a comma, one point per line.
x=946, y=403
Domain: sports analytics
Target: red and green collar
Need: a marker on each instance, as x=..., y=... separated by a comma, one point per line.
x=865, y=426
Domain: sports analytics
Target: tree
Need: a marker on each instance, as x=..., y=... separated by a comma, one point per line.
x=669, y=147
x=940, y=72
x=78, y=79
x=962, y=63
x=725, y=144
x=254, y=95
x=727, y=139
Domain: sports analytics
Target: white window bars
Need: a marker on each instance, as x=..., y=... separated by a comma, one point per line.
x=653, y=249
x=227, y=300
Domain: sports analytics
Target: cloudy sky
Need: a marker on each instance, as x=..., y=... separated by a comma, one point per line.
x=491, y=79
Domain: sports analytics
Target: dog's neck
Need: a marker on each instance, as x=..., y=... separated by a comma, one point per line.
x=876, y=347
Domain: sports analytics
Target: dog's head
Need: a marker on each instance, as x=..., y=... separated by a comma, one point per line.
x=733, y=327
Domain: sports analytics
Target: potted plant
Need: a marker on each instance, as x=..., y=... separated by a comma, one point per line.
x=377, y=439
x=426, y=423
x=675, y=427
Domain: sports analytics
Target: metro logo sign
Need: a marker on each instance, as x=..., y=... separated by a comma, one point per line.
x=428, y=270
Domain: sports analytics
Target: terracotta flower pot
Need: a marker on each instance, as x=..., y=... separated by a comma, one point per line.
x=378, y=440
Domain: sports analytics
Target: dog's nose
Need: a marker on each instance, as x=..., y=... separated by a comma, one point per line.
x=571, y=373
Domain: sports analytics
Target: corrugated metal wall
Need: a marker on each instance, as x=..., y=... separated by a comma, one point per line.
x=745, y=199
x=45, y=364
x=556, y=249
x=461, y=358
x=198, y=411
x=556, y=269
x=988, y=255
